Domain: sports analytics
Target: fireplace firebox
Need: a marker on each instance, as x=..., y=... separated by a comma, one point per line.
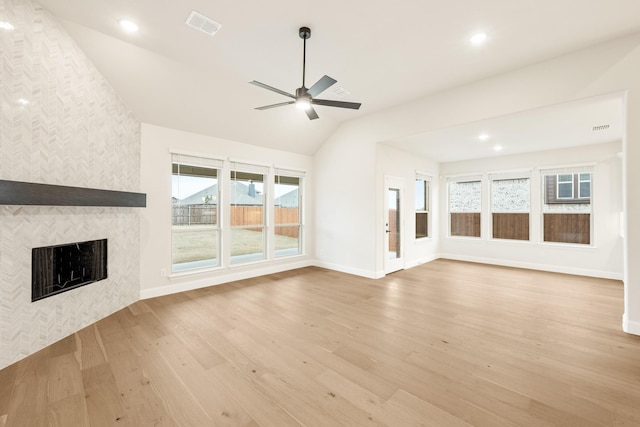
x=60, y=268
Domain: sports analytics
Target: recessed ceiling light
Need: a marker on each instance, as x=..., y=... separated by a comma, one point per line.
x=497, y=148
x=6, y=25
x=483, y=137
x=478, y=39
x=23, y=101
x=128, y=26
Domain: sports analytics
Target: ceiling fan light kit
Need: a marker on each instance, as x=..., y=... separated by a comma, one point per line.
x=305, y=98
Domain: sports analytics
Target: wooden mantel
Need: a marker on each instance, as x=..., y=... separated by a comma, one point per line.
x=29, y=193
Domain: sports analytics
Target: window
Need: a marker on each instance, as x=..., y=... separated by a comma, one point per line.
x=195, y=226
x=510, y=205
x=287, y=218
x=584, y=186
x=422, y=208
x=247, y=212
x=566, y=209
x=568, y=188
x=565, y=186
x=465, y=203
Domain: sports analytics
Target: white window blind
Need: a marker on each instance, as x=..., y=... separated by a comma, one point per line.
x=464, y=178
x=184, y=159
x=424, y=176
x=248, y=167
x=588, y=167
x=289, y=172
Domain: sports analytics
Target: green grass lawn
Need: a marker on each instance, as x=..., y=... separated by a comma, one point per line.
x=197, y=242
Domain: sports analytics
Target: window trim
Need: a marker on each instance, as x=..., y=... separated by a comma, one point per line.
x=465, y=179
x=575, y=171
x=213, y=163
x=426, y=179
x=300, y=224
x=509, y=177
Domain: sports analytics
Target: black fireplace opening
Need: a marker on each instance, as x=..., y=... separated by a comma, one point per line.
x=60, y=268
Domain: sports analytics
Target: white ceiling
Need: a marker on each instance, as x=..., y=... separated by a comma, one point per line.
x=385, y=53
x=557, y=126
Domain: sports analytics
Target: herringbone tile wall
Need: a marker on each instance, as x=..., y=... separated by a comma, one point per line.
x=73, y=131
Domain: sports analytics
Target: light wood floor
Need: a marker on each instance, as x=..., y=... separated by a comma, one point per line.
x=444, y=344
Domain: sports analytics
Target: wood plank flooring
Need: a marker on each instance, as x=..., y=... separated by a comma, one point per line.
x=443, y=344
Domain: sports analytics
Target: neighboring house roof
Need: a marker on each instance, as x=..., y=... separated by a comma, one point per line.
x=239, y=196
x=288, y=200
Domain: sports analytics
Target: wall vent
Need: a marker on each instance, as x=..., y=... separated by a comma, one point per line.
x=202, y=23
x=601, y=127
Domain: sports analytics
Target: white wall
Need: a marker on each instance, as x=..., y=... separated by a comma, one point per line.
x=603, y=259
x=605, y=68
x=75, y=131
x=345, y=232
x=403, y=165
x=155, y=246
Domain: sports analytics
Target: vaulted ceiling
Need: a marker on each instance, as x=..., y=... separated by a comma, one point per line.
x=384, y=53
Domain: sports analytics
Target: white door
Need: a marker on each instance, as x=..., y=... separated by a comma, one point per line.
x=393, y=210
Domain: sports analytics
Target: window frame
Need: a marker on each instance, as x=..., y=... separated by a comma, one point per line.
x=509, y=176
x=246, y=170
x=198, y=162
x=458, y=180
x=300, y=177
x=553, y=207
x=426, y=180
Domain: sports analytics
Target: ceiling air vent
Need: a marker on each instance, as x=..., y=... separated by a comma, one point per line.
x=340, y=92
x=601, y=127
x=202, y=23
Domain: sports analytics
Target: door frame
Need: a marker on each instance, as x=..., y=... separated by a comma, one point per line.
x=396, y=264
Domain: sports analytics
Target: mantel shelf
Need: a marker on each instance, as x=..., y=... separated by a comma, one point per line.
x=29, y=193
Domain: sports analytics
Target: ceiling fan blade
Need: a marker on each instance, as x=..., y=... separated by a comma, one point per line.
x=321, y=85
x=311, y=113
x=281, y=104
x=341, y=104
x=273, y=89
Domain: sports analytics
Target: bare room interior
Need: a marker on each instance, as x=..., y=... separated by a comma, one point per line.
x=298, y=213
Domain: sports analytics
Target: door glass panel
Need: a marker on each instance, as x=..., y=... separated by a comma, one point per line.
x=393, y=223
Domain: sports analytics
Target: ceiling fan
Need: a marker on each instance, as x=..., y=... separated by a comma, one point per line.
x=305, y=98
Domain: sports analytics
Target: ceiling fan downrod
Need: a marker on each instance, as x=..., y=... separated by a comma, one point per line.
x=305, y=33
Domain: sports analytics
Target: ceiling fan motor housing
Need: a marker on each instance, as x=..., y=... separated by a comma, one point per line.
x=301, y=92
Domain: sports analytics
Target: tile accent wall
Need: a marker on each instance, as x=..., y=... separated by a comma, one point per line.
x=74, y=131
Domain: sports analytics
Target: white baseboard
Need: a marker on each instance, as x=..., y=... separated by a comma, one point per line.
x=229, y=275
x=630, y=326
x=421, y=261
x=220, y=277
x=535, y=266
x=350, y=270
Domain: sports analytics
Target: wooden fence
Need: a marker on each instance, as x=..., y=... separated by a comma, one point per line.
x=465, y=224
x=194, y=214
x=567, y=228
x=240, y=216
x=514, y=226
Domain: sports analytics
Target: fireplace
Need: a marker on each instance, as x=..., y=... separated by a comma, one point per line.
x=60, y=268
